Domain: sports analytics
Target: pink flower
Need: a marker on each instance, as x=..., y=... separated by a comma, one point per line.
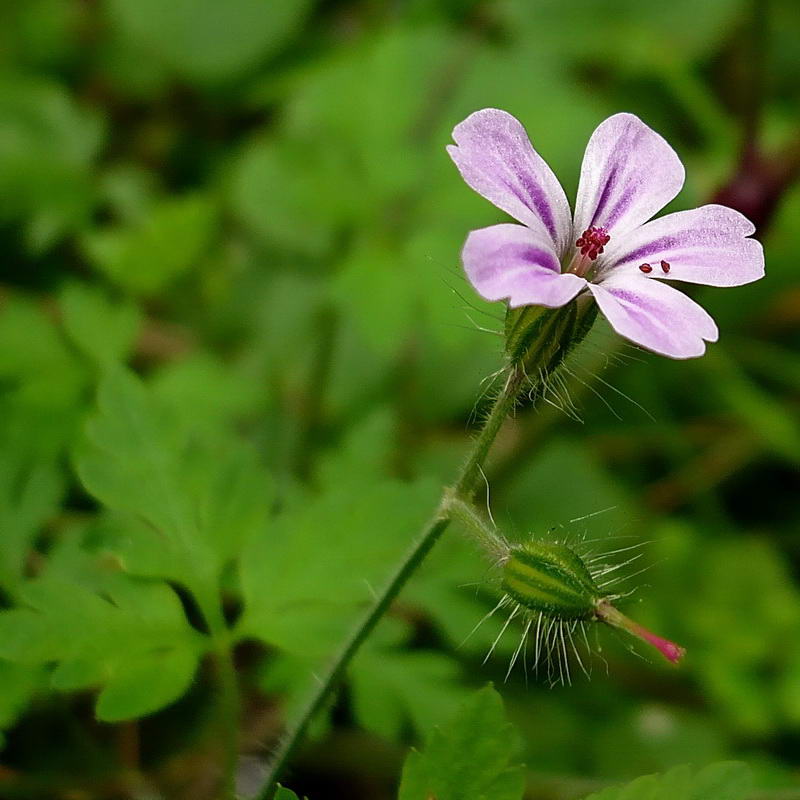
x=608, y=248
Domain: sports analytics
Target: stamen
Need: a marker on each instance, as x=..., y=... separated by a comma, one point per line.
x=592, y=241
x=646, y=268
x=665, y=267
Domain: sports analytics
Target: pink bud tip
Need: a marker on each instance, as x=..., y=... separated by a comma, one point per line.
x=671, y=651
x=610, y=615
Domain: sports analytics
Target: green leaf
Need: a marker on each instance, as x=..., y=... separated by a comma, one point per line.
x=19, y=682
x=324, y=558
x=467, y=759
x=209, y=394
x=30, y=495
x=195, y=501
x=147, y=255
x=46, y=152
x=764, y=415
x=281, y=191
x=391, y=686
x=102, y=329
x=205, y=40
x=133, y=640
x=43, y=383
x=728, y=780
x=285, y=794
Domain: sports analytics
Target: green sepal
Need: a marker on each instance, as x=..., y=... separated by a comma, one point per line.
x=539, y=339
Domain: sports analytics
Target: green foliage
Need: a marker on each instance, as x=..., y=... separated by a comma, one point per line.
x=285, y=794
x=146, y=256
x=324, y=559
x=196, y=502
x=237, y=355
x=469, y=757
x=208, y=41
x=46, y=152
x=392, y=686
x=20, y=682
x=724, y=781
x=104, y=330
x=132, y=640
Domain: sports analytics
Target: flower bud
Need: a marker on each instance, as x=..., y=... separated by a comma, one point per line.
x=551, y=583
x=552, y=579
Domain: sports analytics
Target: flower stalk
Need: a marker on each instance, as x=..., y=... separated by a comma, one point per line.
x=536, y=348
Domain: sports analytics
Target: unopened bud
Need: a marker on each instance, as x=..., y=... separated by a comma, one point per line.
x=550, y=581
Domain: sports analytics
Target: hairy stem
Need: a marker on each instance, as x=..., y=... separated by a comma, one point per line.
x=502, y=407
x=480, y=529
x=454, y=502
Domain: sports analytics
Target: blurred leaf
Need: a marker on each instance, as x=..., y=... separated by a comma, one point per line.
x=409, y=65
x=762, y=413
x=328, y=553
x=293, y=195
x=723, y=781
x=207, y=392
x=144, y=257
x=30, y=495
x=391, y=686
x=195, y=502
x=19, y=683
x=47, y=146
x=468, y=758
x=285, y=794
x=208, y=41
x=591, y=502
x=38, y=33
x=324, y=558
x=42, y=382
x=104, y=330
x=133, y=640
x=624, y=32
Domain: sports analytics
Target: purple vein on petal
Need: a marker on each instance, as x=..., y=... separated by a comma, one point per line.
x=536, y=196
x=616, y=168
x=535, y=256
x=608, y=188
x=672, y=242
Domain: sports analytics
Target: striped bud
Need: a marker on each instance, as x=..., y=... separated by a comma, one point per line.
x=551, y=578
x=560, y=592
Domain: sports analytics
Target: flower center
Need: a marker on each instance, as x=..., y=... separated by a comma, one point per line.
x=590, y=244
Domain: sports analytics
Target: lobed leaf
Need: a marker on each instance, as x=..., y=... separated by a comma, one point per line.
x=467, y=759
x=728, y=780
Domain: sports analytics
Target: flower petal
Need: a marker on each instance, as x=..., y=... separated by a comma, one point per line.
x=496, y=159
x=655, y=315
x=516, y=263
x=629, y=172
x=705, y=245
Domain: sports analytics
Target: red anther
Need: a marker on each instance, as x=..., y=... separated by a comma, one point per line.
x=665, y=267
x=646, y=268
x=592, y=241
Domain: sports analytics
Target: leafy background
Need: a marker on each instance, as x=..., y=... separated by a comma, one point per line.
x=237, y=358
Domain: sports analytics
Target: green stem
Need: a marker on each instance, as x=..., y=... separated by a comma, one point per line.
x=502, y=407
x=229, y=701
x=477, y=526
x=453, y=503
x=537, y=343
x=230, y=711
